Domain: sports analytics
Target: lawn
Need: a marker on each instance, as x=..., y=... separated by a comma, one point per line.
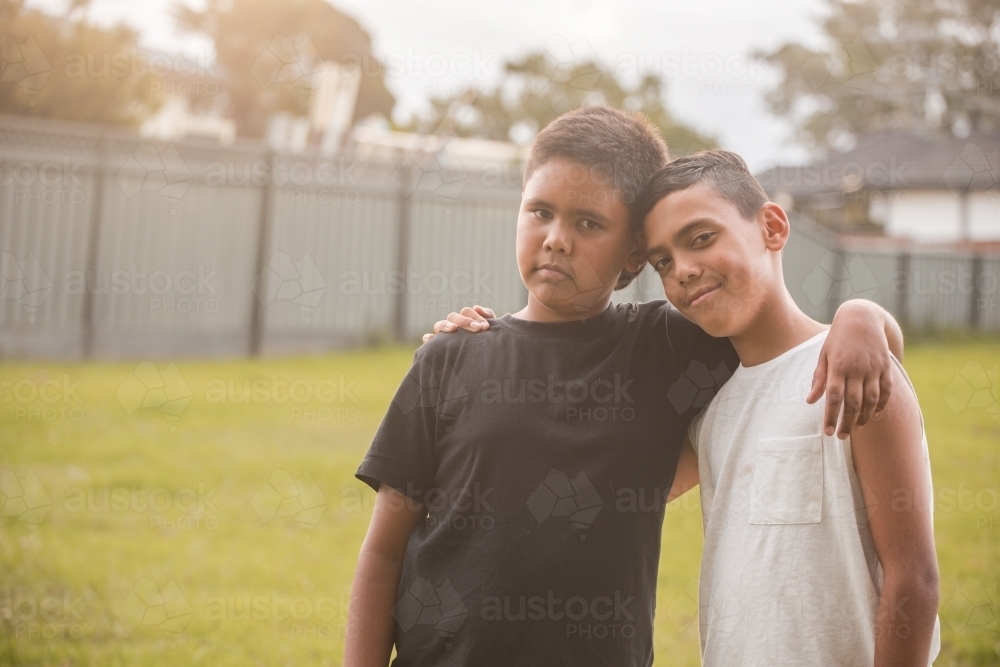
x=206, y=512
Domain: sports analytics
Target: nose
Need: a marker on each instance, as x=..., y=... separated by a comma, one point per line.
x=559, y=237
x=684, y=269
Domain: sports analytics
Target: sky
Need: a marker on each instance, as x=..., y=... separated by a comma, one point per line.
x=436, y=47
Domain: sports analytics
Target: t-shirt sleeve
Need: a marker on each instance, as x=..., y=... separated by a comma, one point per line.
x=704, y=364
x=402, y=453
x=694, y=430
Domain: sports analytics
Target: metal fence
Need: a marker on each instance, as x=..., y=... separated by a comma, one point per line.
x=925, y=290
x=117, y=247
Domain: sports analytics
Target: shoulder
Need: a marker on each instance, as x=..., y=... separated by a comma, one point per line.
x=689, y=340
x=900, y=419
x=662, y=315
x=657, y=316
x=449, y=348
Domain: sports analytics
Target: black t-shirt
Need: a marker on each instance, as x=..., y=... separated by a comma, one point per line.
x=544, y=454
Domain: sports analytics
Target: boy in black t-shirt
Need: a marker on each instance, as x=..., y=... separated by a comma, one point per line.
x=522, y=473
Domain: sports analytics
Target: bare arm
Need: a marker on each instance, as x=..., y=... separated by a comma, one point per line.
x=855, y=367
x=890, y=327
x=368, y=641
x=686, y=477
x=889, y=459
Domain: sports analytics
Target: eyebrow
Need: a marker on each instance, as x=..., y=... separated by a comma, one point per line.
x=584, y=212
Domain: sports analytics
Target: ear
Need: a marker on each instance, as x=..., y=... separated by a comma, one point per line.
x=637, y=258
x=774, y=225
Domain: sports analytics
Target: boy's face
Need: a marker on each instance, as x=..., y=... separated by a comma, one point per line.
x=573, y=240
x=716, y=266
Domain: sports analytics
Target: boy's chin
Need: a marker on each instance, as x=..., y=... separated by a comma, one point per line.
x=565, y=297
x=716, y=327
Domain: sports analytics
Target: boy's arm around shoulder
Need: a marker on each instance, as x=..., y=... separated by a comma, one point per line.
x=855, y=365
x=891, y=464
x=370, y=624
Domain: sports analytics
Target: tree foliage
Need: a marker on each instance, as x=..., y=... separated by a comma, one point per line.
x=63, y=67
x=893, y=64
x=536, y=89
x=266, y=52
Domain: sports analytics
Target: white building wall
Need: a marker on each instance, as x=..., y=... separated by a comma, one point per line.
x=930, y=215
x=984, y=216
x=936, y=215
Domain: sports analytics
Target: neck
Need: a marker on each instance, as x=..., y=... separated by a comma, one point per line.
x=775, y=331
x=536, y=311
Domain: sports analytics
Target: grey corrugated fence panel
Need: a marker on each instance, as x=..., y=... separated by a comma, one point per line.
x=989, y=298
x=44, y=226
x=192, y=236
x=332, y=249
x=332, y=257
x=938, y=294
x=461, y=252
x=189, y=265
x=810, y=263
x=924, y=290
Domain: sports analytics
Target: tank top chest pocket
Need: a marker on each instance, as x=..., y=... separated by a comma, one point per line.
x=788, y=480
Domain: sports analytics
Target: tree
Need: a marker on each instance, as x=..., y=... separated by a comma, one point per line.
x=267, y=51
x=62, y=67
x=536, y=89
x=893, y=64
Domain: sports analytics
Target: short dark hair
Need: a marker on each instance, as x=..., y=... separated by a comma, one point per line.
x=725, y=173
x=623, y=149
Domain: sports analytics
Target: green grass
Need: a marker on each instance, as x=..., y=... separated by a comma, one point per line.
x=72, y=570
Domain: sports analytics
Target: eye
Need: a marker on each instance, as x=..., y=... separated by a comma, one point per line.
x=701, y=238
x=661, y=263
x=590, y=224
x=543, y=214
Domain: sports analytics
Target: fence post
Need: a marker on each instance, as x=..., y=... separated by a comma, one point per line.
x=974, y=293
x=93, y=243
x=403, y=248
x=903, y=297
x=257, y=312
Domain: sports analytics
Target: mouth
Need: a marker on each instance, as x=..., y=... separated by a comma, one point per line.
x=553, y=271
x=701, y=294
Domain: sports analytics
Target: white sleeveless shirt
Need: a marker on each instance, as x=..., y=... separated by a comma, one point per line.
x=789, y=572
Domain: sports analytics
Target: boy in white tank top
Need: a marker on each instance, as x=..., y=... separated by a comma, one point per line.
x=818, y=550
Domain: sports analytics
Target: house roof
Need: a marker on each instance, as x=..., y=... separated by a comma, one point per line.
x=894, y=160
